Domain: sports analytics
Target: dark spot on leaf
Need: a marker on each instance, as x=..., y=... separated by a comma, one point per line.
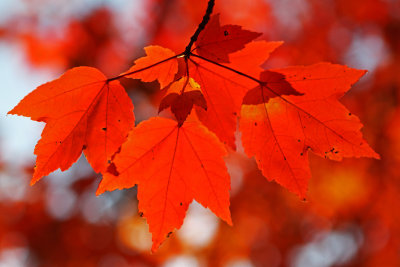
x=169, y=234
x=234, y=113
x=298, y=140
x=226, y=33
x=112, y=169
x=84, y=147
x=336, y=152
x=141, y=214
x=119, y=120
x=255, y=124
x=104, y=129
x=108, y=161
x=349, y=114
x=180, y=204
x=284, y=158
x=301, y=154
x=304, y=199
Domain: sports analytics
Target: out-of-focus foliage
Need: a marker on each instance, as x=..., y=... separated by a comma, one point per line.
x=350, y=217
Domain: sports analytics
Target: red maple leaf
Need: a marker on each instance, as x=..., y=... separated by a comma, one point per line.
x=216, y=42
x=160, y=64
x=280, y=132
x=181, y=97
x=82, y=111
x=172, y=165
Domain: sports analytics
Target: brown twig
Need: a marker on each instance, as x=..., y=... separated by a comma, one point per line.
x=201, y=27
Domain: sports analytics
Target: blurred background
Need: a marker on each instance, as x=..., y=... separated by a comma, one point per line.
x=351, y=216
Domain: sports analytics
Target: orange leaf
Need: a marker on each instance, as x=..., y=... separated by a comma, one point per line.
x=159, y=64
x=216, y=42
x=224, y=90
x=172, y=165
x=82, y=111
x=280, y=132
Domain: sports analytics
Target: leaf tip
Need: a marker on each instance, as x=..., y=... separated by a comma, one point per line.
x=36, y=177
x=375, y=155
x=278, y=43
x=156, y=244
x=229, y=221
x=100, y=189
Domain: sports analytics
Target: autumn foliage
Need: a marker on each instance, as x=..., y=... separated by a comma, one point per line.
x=217, y=98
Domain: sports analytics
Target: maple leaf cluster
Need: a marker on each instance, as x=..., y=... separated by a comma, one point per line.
x=283, y=114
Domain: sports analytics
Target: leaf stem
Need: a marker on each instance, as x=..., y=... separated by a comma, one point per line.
x=229, y=68
x=142, y=69
x=201, y=27
x=187, y=76
x=262, y=84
